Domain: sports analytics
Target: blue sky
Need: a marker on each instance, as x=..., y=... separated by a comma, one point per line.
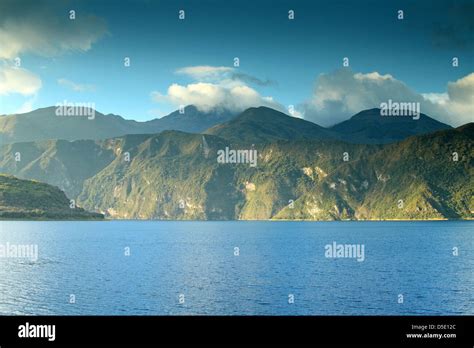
x=287, y=55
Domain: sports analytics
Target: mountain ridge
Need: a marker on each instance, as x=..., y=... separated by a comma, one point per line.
x=263, y=124
x=43, y=124
x=254, y=124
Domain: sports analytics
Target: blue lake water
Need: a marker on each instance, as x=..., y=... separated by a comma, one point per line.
x=196, y=262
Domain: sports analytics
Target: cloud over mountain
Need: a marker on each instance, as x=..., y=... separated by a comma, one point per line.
x=216, y=87
x=457, y=104
x=342, y=93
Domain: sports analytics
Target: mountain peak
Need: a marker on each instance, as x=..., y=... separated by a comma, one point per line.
x=375, y=115
x=264, y=124
x=375, y=112
x=192, y=120
x=370, y=127
x=261, y=113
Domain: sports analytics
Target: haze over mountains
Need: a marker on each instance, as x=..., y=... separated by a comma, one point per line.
x=254, y=124
x=43, y=124
x=304, y=171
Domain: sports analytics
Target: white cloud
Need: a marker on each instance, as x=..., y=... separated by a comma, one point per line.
x=77, y=87
x=44, y=28
x=462, y=90
x=458, y=103
x=18, y=80
x=373, y=76
x=215, y=87
x=336, y=97
x=436, y=98
x=209, y=96
x=341, y=94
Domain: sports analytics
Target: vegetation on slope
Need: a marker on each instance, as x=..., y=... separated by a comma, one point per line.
x=27, y=199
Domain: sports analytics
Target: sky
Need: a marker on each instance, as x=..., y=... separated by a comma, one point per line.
x=283, y=62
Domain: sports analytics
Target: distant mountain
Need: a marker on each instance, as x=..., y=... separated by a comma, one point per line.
x=43, y=124
x=263, y=124
x=26, y=199
x=369, y=127
x=254, y=125
x=191, y=120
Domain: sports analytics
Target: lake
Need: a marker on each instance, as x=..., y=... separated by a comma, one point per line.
x=238, y=268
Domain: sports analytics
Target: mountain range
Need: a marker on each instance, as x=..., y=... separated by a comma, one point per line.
x=367, y=167
x=43, y=124
x=257, y=124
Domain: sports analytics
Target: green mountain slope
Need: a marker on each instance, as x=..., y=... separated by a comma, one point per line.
x=415, y=179
x=167, y=177
x=58, y=162
x=26, y=199
x=422, y=172
x=170, y=168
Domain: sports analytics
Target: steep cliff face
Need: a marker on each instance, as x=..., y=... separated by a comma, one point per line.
x=169, y=177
